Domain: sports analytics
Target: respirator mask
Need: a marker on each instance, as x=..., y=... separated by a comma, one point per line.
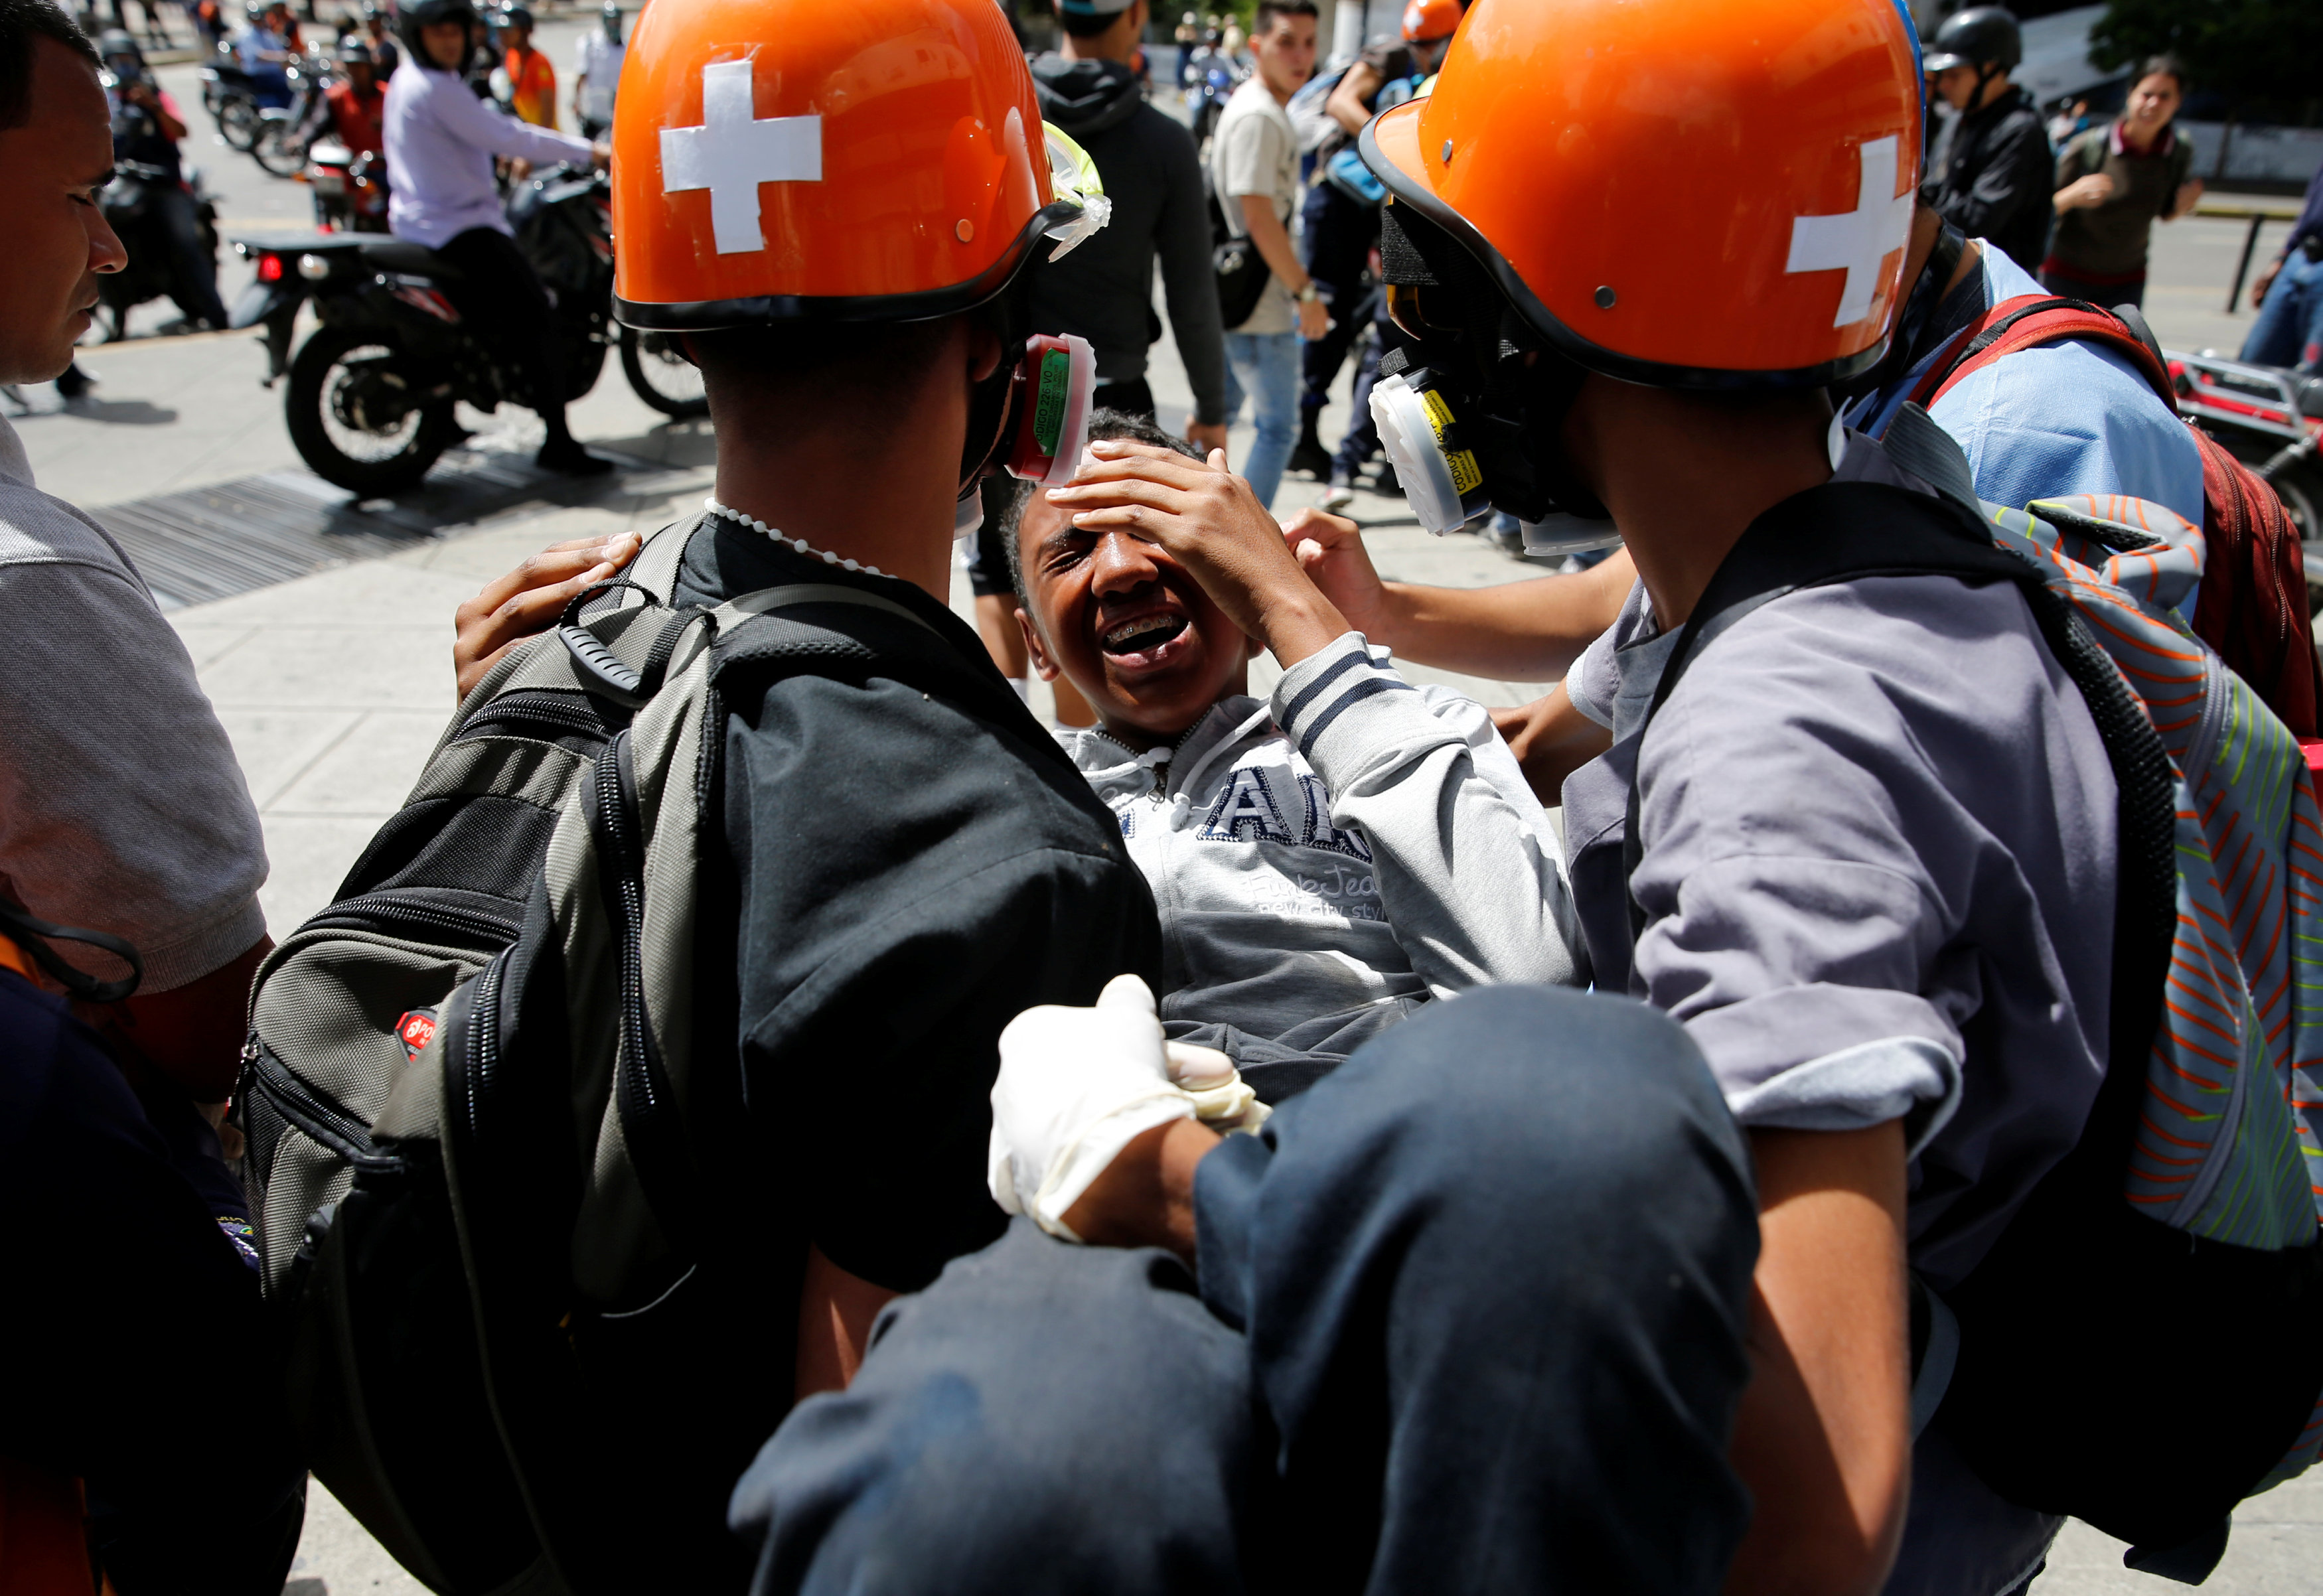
x=1043, y=426
x=1031, y=415
x=1469, y=413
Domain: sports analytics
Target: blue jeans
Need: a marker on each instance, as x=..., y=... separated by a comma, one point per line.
x=2289, y=331
x=1265, y=366
x=1469, y=1316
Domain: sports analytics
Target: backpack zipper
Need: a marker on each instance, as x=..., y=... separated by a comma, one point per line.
x=373, y=909
x=309, y=1110
x=512, y=715
x=483, y=1035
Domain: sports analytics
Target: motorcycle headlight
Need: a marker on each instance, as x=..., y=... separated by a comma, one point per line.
x=314, y=268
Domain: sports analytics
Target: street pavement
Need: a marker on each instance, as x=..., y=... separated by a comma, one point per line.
x=335, y=685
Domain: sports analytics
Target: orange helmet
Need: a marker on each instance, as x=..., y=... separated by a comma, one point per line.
x=1428, y=20
x=1686, y=193
x=875, y=160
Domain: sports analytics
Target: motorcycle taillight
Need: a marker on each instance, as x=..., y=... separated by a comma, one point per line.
x=270, y=269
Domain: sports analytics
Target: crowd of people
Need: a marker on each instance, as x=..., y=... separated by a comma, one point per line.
x=1804, y=1119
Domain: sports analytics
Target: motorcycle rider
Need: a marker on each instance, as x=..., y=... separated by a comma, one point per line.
x=532, y=80
x=2288, y=295
x=440, y=142
x=262, y=49
x=377, y=33
x=146, y=129
x=358, y=100
x=597, y=72
x=1992, y=173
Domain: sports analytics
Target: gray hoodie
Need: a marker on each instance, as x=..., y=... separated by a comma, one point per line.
x=1104, y=290
x=1324, y=863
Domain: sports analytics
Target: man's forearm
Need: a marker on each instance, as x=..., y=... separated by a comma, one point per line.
x=1145, y=1198
x=1518, y=632
x=1273, y=241
x=1349, y=102
x=1823, y=1438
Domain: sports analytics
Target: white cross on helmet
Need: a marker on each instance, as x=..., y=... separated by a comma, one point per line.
x=734, y=150
x=1860, y=241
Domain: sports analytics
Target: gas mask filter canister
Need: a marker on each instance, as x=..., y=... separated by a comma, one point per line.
x=1053, y=408
x=1052, y=387
x=1438, y=472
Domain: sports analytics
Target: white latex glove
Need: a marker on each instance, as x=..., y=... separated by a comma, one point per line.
x=1077, y=1086
x=1221, y=1100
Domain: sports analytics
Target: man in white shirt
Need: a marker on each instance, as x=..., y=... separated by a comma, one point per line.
x=597, y=73
x=1255, y=168
x=122, y=807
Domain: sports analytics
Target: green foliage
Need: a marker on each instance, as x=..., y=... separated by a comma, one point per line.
x=2263, y=55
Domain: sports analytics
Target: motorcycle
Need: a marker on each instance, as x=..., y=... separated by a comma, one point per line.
x=350, y=191
x=2270, y=420
x=150, y=273
x=229, y=96
x=370, y=401
x=1215, y=78
x=284, y=136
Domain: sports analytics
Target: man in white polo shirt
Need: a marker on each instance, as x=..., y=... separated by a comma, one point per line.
x=1255, y=168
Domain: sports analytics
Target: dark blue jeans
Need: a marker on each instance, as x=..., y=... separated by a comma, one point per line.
x=1362, y=440
x=1338, y=234
x=1470, y=1318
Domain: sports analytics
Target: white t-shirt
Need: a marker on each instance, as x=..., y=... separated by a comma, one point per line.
x=598, y=59
x=121, y=806
x=1255, y=151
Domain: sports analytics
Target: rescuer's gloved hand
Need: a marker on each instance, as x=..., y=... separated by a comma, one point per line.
x=1077, y=1086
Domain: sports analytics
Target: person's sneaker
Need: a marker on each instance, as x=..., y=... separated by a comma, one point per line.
x=1389, y=485
x=1340, y=494
x=569, y=459
x=74, y=383
x=1308, y=455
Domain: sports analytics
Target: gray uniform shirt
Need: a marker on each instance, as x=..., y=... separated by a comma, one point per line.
x=1318, y=882
x=122, y=807
x=1880, y=847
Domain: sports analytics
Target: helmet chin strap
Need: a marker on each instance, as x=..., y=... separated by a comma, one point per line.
x=990, y=407
x=990, y=402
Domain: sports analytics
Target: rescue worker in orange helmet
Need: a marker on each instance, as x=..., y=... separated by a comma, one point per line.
x=1620, y=313
x=829, y=208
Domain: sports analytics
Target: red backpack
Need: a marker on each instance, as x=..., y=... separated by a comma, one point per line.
x=2252, y=607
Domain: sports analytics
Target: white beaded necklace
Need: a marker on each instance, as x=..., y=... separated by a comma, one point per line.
x=800, y=544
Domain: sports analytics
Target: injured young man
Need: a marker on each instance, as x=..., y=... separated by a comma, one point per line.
x=1324, y=861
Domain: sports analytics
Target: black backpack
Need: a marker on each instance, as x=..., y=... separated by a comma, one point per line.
x=1234, y=261
x=528, y=1343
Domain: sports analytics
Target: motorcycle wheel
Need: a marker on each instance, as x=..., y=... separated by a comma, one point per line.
x=280, y=151
x=369, y=462
x=238, y=123
x=2302, y=496
x=663, y=377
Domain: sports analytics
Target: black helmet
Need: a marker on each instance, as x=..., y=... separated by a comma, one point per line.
x=421, y=13
x=353, y=51
x=116, y=41
x=515, y=16
x=1980, y=36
